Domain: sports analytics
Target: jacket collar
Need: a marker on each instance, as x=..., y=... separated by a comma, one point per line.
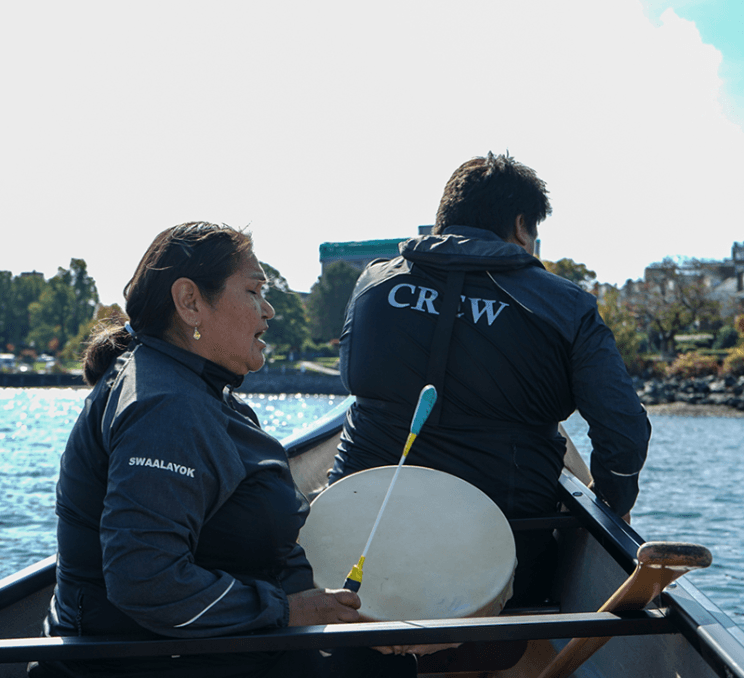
x=215, y=375
x=469, y=249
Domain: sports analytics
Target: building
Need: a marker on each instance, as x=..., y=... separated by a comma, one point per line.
x=357, y=254
x=360, y=253
x=723, y=279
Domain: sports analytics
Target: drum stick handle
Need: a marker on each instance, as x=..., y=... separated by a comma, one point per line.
x=427, y=398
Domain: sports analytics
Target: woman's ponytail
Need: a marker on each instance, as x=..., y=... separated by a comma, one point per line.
x=106, y=343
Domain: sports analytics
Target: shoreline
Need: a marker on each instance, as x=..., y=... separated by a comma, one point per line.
x=315, y=383
x=272, y=381
x=678, y=409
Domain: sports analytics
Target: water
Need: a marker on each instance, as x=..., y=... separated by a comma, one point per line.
x=34, y=426
x=692, y=488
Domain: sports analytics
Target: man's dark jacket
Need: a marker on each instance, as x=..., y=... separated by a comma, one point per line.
x=512, y=349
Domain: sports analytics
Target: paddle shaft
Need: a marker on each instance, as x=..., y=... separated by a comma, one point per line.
x=659, y=564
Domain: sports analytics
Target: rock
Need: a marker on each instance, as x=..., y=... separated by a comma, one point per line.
x=718, y=399
x=718, y=386
x=716, y=393
x=686, y=397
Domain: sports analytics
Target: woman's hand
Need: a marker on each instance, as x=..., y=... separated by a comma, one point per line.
x=419, y=650
x=323, y=606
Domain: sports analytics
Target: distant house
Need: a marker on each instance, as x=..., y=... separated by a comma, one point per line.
x=724, y=279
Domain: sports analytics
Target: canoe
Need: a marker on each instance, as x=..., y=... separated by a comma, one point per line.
x=680, y=634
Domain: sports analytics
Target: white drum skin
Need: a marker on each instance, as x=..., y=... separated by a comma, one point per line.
x=442, y=549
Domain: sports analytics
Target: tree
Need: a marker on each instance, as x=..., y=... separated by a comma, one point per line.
x=289, y=328
x=44, y=314
x=618, y=317
x=673, y=298
x=51, y=316
x=25, y=290
x=328, y=298
x=73, y=349
x=570, y=270
x=6, y=315
x=84, y=290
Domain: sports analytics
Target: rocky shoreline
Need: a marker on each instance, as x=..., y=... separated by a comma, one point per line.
x=700, y=396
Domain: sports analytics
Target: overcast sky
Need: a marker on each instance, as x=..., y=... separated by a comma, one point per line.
x=335, y=121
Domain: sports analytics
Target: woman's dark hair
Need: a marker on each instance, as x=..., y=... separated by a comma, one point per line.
x=490, y=193
x=208, y=254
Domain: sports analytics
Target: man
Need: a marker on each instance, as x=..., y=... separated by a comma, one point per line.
x=512, y=350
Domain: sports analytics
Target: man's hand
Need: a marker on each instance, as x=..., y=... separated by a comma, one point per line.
x=323, y=606
x=591, y=486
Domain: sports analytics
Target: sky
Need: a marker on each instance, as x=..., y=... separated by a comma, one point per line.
x=328, y=121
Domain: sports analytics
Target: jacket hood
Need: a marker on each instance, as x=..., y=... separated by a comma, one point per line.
x=467, y=248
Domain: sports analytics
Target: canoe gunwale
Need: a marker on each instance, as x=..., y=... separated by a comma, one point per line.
x=612, y=533
x=28, y=581
x=713, y=634
x=509, y=628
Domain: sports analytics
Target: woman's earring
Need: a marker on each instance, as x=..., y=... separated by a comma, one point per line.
x=197, y=333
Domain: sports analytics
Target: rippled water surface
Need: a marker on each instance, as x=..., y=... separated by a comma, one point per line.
x=34, y=425
x=692, y=488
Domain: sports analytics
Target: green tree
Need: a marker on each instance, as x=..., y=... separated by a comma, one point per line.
x=84, y=290
x=73, y=349
x=618, y=317
x=288, y=330
x=67, y=301
x=6, y=311
x=51, y=316
x=328, y=298
x=25, y=290
x=570, y=270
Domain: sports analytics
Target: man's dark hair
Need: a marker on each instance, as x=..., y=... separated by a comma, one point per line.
x=490, y=193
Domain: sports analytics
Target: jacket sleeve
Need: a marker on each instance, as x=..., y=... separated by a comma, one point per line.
x=619, y=428
x=297, y=574
x=171, y=466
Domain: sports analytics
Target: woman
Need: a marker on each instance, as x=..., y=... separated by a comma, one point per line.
x=178, y=515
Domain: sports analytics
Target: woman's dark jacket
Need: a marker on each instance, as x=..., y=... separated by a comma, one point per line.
x=512, y=349
x=177, y=514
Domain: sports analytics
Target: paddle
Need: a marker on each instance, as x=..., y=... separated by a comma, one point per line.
x=659, y=564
